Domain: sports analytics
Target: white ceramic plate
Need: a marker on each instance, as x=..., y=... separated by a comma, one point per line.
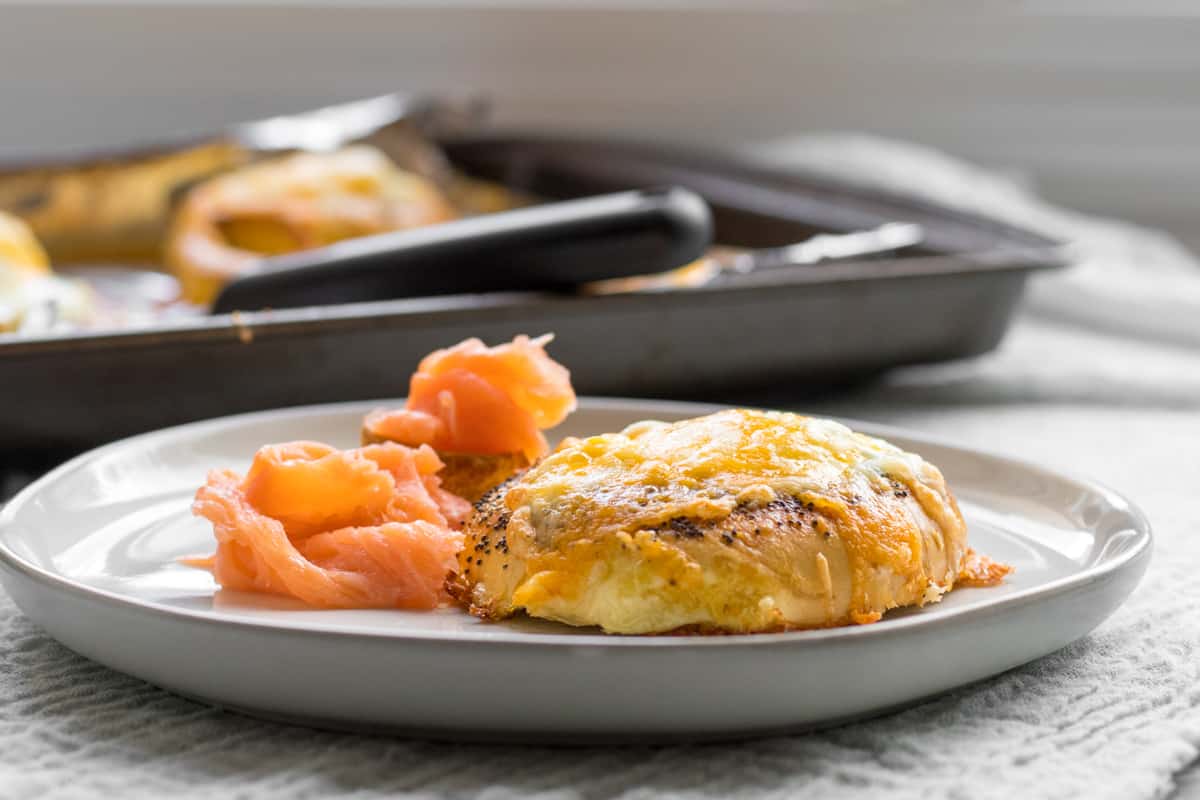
x=90, y=553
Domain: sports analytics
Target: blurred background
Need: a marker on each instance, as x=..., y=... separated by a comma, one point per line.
x=1000, y=129
x=1096, y=100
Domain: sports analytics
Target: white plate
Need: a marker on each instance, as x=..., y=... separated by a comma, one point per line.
x=90, y=553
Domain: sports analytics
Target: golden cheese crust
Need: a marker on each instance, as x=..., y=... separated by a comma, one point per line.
x=737, y=522
x=227, y=224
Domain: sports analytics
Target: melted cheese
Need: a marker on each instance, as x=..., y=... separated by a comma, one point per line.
x=841, y=527
x=704, y=468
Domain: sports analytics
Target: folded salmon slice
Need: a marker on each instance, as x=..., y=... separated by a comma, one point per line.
x=476, y=399
x=364, y=528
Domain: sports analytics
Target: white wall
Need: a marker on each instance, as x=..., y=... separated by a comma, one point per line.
x=1101, y=101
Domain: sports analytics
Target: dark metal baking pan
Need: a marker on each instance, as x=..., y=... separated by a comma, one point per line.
x=802, y=328
x=753, y=206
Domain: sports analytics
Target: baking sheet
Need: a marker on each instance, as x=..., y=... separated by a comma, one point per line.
x=806, y=328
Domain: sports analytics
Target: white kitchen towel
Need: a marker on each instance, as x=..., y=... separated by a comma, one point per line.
x=1116, y=715
x=1126, y=278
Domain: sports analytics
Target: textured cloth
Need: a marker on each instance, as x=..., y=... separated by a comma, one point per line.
x=1116, y=715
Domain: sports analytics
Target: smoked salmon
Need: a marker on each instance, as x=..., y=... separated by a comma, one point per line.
x=364, y=528
x=482, y=408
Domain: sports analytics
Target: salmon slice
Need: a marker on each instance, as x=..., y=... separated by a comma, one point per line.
x=364, y=528
x=480, y=400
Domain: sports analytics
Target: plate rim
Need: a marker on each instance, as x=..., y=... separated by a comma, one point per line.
x=1140, y=551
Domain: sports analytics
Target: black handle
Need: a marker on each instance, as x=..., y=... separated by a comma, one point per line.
x=555, y=246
